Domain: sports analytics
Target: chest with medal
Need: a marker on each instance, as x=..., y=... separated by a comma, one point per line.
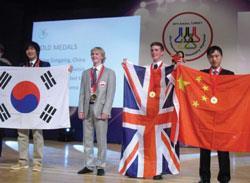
x=155, y=80
x=95, y=81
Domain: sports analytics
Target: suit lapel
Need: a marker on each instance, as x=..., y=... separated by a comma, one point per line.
x=88, y=81
x=102, y=79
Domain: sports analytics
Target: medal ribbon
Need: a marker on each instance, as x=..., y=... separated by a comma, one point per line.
x=211, y=71
x=94, y=87
x=36, y=64
x=151, y=71
x=214, y=79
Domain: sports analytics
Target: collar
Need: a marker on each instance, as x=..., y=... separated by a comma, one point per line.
x=218, y=69
x=99, y=67
x=158, y=63
x=33, y=61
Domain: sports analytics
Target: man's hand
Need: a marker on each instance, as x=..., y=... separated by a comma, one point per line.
x=81, y=115
x=104, y=116
x=70, y=68
x=124, y=61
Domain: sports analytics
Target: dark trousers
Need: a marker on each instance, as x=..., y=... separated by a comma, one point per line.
x=224, y=166
x=1, y=140
x=1, y=147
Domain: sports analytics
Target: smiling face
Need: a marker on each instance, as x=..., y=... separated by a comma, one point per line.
x=31, y=53
x=156, y=53
x=97, y=57
x=215, y=59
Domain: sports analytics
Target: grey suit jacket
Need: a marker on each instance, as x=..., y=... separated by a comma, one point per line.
x=105, y=93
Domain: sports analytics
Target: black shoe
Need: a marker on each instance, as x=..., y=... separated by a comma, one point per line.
x=85, y=170
x=204, y=181
x=224, y=178
x=157, y=177
x=100, y=172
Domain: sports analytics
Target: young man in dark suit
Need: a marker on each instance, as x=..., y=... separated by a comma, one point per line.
x=214, y=55
x=32, y=50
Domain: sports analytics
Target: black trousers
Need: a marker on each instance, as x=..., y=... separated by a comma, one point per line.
x=1, y=140
x=224, y=165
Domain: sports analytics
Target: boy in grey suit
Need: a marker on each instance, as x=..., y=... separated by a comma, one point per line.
x=95, y=103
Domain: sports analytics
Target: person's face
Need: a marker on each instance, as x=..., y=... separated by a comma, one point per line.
x=96, y=57
x=31, y=53
x=215, y=59
x=180, y=56
x=156, y=53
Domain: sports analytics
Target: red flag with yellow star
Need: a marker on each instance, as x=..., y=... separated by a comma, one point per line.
x=214, y=110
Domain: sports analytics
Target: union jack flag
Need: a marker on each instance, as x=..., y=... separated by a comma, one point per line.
x=148, y=115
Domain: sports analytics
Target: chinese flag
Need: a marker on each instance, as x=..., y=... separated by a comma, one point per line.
x=214, y=110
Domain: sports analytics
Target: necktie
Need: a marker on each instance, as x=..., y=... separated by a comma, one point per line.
x=94, y=77
x=215, y=72
x=155, y=66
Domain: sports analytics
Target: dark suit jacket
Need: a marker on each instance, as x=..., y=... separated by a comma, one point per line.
x=222, y=72
x=44, y=64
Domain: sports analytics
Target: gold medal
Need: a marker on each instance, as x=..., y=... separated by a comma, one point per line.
x=93, y=98
x=214, y=100
x=152, y=94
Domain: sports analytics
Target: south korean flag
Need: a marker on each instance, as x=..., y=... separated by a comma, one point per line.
x=34, y=97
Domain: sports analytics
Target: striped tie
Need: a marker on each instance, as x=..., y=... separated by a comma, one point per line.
x=94, y=77
x=215, y=72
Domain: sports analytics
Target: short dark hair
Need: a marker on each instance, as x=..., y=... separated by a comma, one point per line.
x=157, y=44
x=214, y=48
x=181, y=52
x=34, y=45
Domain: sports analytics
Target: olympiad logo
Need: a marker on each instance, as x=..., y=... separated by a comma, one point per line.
x=43, y=34
x=189, y=32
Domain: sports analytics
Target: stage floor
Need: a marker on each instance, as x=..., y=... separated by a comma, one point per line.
x=63, y=160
